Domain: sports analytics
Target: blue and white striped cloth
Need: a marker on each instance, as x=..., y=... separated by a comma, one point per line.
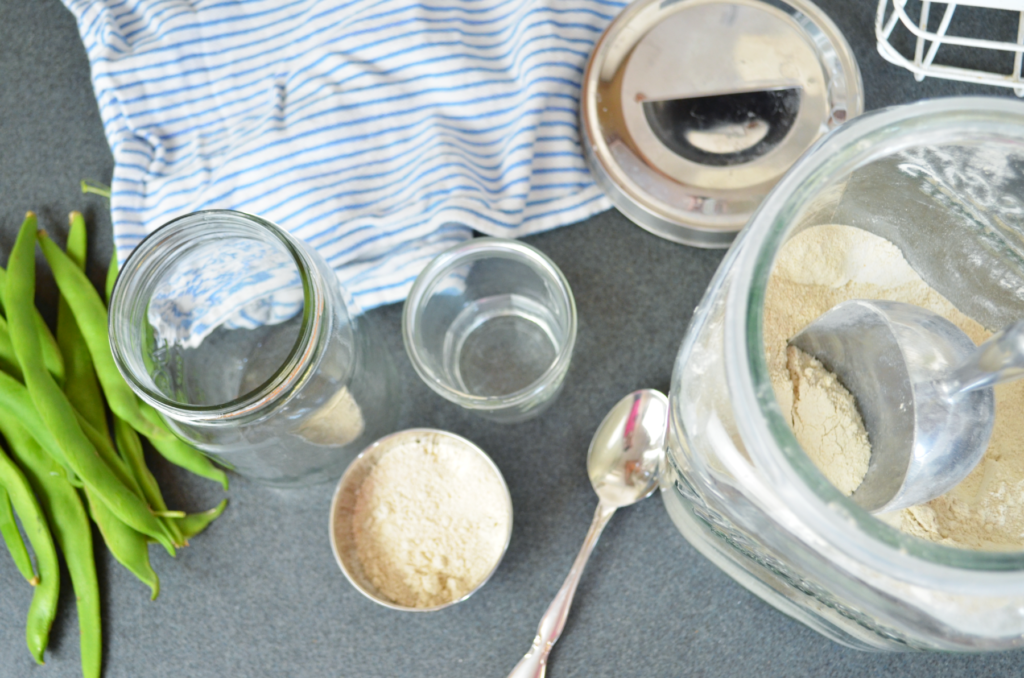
x=379, y=131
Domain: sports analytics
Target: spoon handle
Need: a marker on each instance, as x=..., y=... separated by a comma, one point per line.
x=999, y=359
x=534, y=663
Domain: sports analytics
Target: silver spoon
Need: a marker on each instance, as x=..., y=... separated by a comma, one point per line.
x=923, y=390
x=623, y=462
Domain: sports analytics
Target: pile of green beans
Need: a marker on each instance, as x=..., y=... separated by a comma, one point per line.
x=66, y=460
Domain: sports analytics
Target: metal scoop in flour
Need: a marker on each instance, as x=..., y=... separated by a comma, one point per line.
x=923, y=390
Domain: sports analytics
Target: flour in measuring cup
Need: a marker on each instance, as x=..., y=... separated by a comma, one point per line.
x=430, y=521
x=826, y=265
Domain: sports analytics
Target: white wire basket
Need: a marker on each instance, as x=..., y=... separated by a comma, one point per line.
x=926, y=43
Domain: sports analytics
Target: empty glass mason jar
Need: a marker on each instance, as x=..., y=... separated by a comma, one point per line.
x=942, y=181
x=242, y=338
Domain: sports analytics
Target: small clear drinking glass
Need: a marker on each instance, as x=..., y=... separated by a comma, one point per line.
x=490, y=325
x=241, y=337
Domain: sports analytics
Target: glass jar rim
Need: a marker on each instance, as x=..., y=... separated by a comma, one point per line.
x=478, y=248
x=832, y=515
x=279, y=384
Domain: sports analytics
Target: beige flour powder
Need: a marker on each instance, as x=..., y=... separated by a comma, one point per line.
x=826, y=265
x=430, y=521
x=826, y=422
x=338, y=422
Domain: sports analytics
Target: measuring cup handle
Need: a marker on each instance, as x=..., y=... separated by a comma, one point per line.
x=999, y=359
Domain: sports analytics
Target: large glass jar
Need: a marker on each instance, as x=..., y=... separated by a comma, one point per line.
x=943, y=181
x=240, y=336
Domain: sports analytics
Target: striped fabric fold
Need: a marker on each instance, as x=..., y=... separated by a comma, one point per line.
x=379, y=131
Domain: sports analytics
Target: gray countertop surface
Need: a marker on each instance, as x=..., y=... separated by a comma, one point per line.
x=259, y=593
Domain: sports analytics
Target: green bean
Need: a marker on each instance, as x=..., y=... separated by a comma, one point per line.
x=180, y=453
x=131, y=448
x=124, y=474
x=91, y=316
x=83, y=390
x=111, y=277
x=127, y=475
x=43, y=608
x=51, y=352
x=77, y=244
x=15, y=399
x=97, y=188
x=80, y=383
x=52, y=358
x=194, y=523
x=72, y=532
x=126, y=545
x=12, y=537
x=8, y=361
x=105, y=449
x=53, y=406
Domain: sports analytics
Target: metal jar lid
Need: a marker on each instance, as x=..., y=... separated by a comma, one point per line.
x=692, y=110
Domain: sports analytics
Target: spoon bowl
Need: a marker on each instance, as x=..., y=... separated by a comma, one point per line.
x=627, y=450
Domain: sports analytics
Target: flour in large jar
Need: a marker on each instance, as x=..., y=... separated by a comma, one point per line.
x=824, y=266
